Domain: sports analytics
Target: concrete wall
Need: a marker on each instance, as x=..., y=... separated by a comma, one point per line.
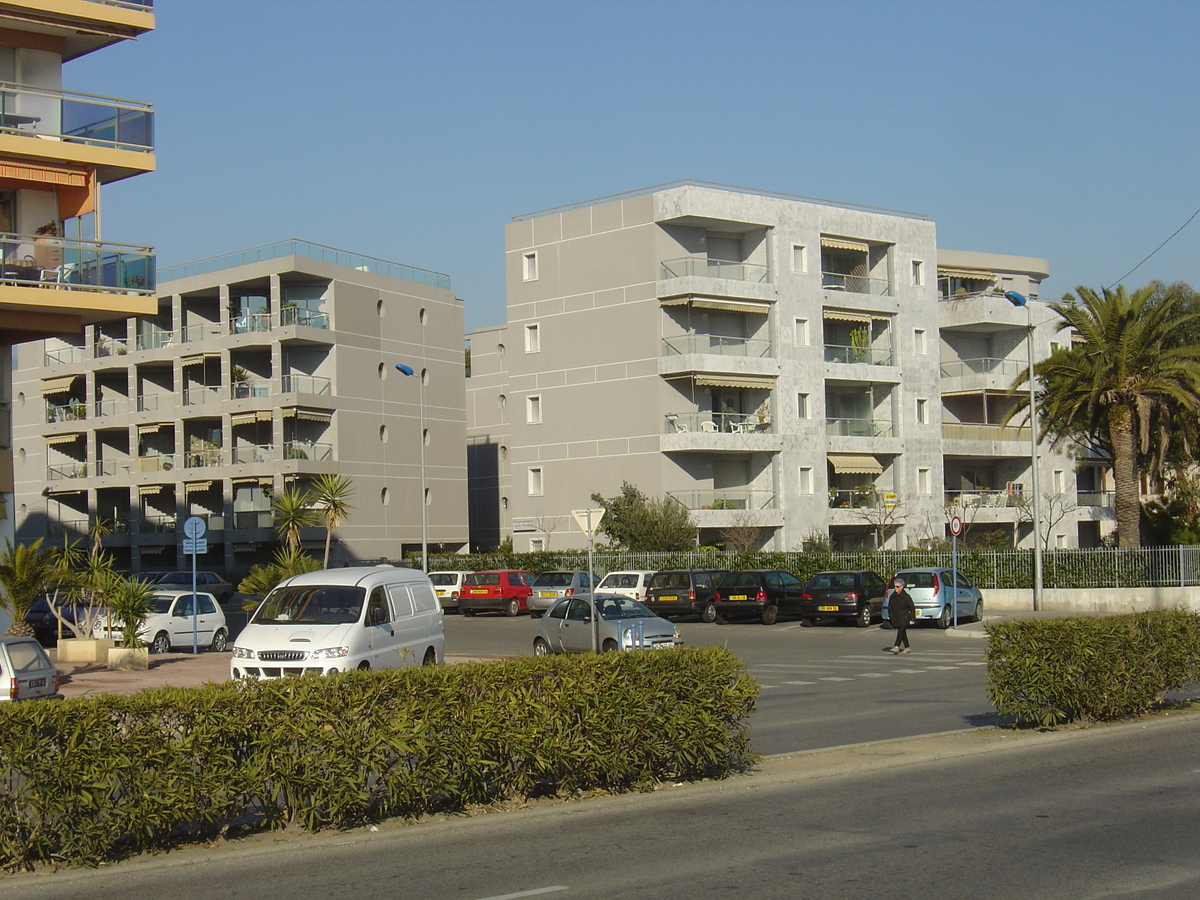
x=1098, y=600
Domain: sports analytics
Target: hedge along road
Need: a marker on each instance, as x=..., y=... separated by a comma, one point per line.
x=821, y=687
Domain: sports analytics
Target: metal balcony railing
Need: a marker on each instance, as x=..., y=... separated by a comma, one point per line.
x=250, y=323
x=1003, y=368
x=196, y=395
x=847, y=353
x=305, y=384
x=984, y=498
x=307, y=450
x=859, y=428
x=715, y=268
x=856, y=284
x=164, y=462
x=718, y=423
x=731, y=498
x=62, y=471
x=199, y=332
x=969, y=431
x=295, y=315
x=75, y=411
x=50, y=261
x=247, y=390
x=253, y=453
x=76, y=118
x=153, y=340
x=153, y=402
x=716, y=344
x=61, y=356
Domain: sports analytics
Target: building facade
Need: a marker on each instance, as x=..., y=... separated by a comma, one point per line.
x=58, y=148
x=784, y=368
x=258, y=371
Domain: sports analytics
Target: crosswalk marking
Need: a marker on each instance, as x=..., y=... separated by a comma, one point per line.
x=800, y=682
x=833, y=678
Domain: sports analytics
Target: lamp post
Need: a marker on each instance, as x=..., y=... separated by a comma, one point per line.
x=408, y=370
x=1020, y=300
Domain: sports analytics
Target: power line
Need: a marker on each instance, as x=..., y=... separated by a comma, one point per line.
x=1155, y=250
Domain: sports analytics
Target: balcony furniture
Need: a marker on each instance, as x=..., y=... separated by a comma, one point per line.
x=709, y=427
x=13, y=120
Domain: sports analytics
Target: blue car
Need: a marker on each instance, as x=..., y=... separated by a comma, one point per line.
x=934, y=592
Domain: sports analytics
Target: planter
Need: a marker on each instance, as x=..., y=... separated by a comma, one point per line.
x=125, y=659
x=85, y=649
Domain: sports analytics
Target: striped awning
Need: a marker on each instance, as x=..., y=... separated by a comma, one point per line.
x=150, y=488
x=198, y=358
x=836, y=243
x=308, y=415
x=243, y=419
x=969, y=274
x=837, y=315
x=742, y=306
x=194, y=487
x=736, y=381
x=149, y=429
x=63, y=439
x=57, y=385
x=854, y=464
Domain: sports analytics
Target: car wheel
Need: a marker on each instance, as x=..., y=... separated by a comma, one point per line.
x=536, y=613
x=540, y=647
x=863, y=618
x=364, y=666
x=808, y=622
x=708, y=612
x=770, y=614
x=943, y=620
x=161, y=643
x=609, y=646
x=513, y=608
x=219, y=642
x=978, y=617
x=468, y=612
x=430, y=657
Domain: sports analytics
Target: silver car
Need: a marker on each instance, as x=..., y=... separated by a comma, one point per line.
x=550, y=587
x=27, y=670
x=624, y=625
x=936, y=592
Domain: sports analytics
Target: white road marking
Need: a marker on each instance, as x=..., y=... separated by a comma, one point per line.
x=941, y=668
x=873, y=675
x=532, y=893
x=831, y=678
x=800, y=682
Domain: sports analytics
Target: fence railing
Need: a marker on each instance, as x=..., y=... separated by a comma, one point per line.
x=730, y=498
x=858, y=427
x=305, y=384
x=715, y=268
x=718, y=345
x=855, y=284
x=848, y=353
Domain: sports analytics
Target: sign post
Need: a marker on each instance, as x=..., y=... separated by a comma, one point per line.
x=588, y=520
x=193, y=544
x=955, y=531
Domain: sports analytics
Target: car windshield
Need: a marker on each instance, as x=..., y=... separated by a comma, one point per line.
x=553, y=579
x=613, y=608
x=483, y=578
x=917, y=579
x=311, y=604
x=174, y=578
x=161, y=603
x=740, y=580
x=443, y=577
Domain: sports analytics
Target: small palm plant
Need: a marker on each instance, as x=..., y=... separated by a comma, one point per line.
x=293, y=511
x=129, y=601
x=331, y=495
x=25, y=571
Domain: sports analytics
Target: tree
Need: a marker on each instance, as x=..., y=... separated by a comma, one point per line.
x=331, y=494
x=1052, y=510
x=1121, y=384
x=293, y=511
x=635, y=522
x=25, y=570
x=261, y=580
x=882, y=513
x=743, y=535
x=98, y=529
x=547, y=525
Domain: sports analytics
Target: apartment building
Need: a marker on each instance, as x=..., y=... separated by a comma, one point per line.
x=780, y=366
x=257, y=371
x=57, y=149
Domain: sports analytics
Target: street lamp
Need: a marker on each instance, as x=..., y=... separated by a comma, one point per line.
x=1020, y=300
x=408, y=370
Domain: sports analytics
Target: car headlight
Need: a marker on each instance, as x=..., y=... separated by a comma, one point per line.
x=330, y=653
x=243, y=653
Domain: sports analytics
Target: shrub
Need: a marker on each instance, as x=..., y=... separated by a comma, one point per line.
x=1054, y=671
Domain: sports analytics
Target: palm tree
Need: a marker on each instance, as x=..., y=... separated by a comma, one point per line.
x=293, y=511
x=98, y=529
x=331, y=494
x=25, y=570
x=1120, y=386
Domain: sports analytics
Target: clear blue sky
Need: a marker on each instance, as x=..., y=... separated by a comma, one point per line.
x=413, y=131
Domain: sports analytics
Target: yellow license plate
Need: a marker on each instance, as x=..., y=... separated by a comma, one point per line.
x=547, y=594
x=738, y=597
x=665, y=599
x=478, y=590
x=441, y=593
x=827, y=609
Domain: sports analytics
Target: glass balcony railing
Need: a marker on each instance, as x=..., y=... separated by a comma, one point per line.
x=856, y=284
x=1096, y=498
x=715, y=268
x=309, y=318
x=198, y=394
x=253, y=453
x=61, y=471
x=112, y=407
x=307, y=450
x=969, y=431
x=153, y=524
x=154, y=402
x=859, y=427
x=306, y=384
x=248, y=390
x=718, y=423
x=200, y=332
x=1003, y=368
x=61, y=356
x=205, y=458
x=845, y=353
x=254, y=518
x=106, y=346
x=250, y=323
x=716, y=344
x=153, y=340
x=731, y=498
x=75, y=411
x=164, y=462
x=50, y=261
x=76, y=118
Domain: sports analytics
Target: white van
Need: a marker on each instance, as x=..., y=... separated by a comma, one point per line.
x=340, y=619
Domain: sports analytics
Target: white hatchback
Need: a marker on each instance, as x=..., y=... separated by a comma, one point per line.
x=171, y=623
x=447, y=584
x=631, y=583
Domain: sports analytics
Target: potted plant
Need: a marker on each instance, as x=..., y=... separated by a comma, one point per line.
x=129, y=602
x=49, y=230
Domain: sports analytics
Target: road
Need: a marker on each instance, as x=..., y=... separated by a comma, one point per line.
x=1107, y=812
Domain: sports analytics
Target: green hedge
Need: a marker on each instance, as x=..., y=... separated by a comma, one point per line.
x=88, y=780
x=1053, y=671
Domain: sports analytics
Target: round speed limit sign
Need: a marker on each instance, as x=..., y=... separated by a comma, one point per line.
x=955, y=526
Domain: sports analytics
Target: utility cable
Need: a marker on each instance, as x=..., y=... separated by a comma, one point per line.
x=1155, y=250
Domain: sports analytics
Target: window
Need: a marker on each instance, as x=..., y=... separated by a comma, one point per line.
x=919, y=341
x=1058, y=481
x=1060, y=542
x=533, y=341
x=922, y=411
x=806, y=479
x=802, y=332
x=802, y=406
x=535, y=481
x=537, y=545
x=533, y=409
x=799, y=259
x=1054, y=345
x=923, y=481
x=529, y=266
x=918, y=272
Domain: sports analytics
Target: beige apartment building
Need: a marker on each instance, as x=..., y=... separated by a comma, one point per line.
x=58, y=148
x=256, y=371
x=776, y=364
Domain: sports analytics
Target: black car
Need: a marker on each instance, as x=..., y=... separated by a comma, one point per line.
x=764, y=593
x=45, y=624
x=683, y=592
x=854, y=595
x=209, y=582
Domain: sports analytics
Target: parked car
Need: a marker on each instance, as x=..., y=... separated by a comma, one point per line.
x=933, y=592
x=209, y=582
x=448, y=585
x=568, y=626
x=550, y=587
x=631, y=583
x=335, y=620
x=856, y=596
x=45, y=624
x=682, y=592
x=26, y=671
x=170, y=623
x=764, y=593
x=498, y=590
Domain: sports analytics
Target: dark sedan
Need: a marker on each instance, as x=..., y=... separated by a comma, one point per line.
x=856, y=596
x=45, y=624
x=764, y=593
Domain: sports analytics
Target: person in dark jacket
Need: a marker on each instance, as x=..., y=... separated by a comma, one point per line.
x=902, y=612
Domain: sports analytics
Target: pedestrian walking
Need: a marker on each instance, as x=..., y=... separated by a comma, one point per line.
x=902, y=612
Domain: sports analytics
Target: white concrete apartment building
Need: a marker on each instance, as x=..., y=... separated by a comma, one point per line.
x=769, y=361
x=262, y=369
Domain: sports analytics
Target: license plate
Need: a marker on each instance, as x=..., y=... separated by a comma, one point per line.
x=827, y=609
x=738, y=597
x=37, y=682
x=666, y=599
x=478, y=591
x=441, y=593
x=665, y=645
x=547, y=594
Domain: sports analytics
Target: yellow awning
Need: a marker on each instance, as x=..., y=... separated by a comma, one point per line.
x=736, y=381
x=150, y=488
x=57, y=385
x=149, y=429
x=243, y=418
x=308, y=415
x=971, y=274
x=847, y=464
x=742, y=306
x=265, y=415
x=193, y=360
x=192, y=487
x=837, y=315
x=63, y=439
x=834, y=243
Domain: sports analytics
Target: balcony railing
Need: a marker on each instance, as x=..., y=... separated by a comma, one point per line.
x=855, y=498
x=106, y=346
x=305, y=384
x=295, y=315
x=164, y=462
x=716, y=344
x=715, y=268
x=61, y=356
x=76, y=118
x=253, y=453
x=153, y=402
x=846, y=353
x=247, y=390
x=968, y=431
x=203, y=459
x=112, y=407
x=717, y=423
x=49, y=261
x=1004, y=368
x=732, y=498
x=307, y=450
x=984, y=498
x=856, y=284
x=200, y=332
x=196, y=395
x=250, y=323
x=71, y=412
x=1106, y=499
x=153, y=340
x=254, y=518
x=158, y=524
x=110, y=467
x=63, y=471
x=67, y=528
x=859, y=428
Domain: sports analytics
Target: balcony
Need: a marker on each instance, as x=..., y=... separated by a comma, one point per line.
x=200, y=332
x=969, y=431
x=870, y=428
x=306, y=384
x=157, y=525
x=696, y=266
x=725, y=499
x=746, y=362
x=111, y=407
x=62, y=471
x=307, y=450
x=248, y=454
x=1103, y=499
x=106, y=346
x=855, y=498
x=61, y=356
x=295, y=315
x=862, y=356
x=254, y=323
x=249, y=390
x=154, y=340
x=199, y=394
x=155, y=402
x=723, y=284
x=254, y=518
x=856, y=284
x=982, y=498
x=716, y=344
x=48, y=261
x=717, y=423
x=982, y=374
x=75, y=411
x=164, y=462
x=206, y=458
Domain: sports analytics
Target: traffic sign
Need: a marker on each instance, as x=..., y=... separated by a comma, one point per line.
x=582, y=519
x=197, y=546
x=955, y=526
x=194, y=527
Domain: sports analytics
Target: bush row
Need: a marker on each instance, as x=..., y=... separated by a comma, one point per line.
x=88, y=780
x=1053, y=671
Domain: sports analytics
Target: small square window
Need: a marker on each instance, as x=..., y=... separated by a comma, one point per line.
x=806, y=479
x=802, y=332
x=802, y=406
x=533, y=339
x=919, y=341
x=533, y=409
x=529, y=266
x=799, y=259
x=922, y=411
x=537, y=545
x=1060, y=542
x=535, y=481
x=918, y=272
